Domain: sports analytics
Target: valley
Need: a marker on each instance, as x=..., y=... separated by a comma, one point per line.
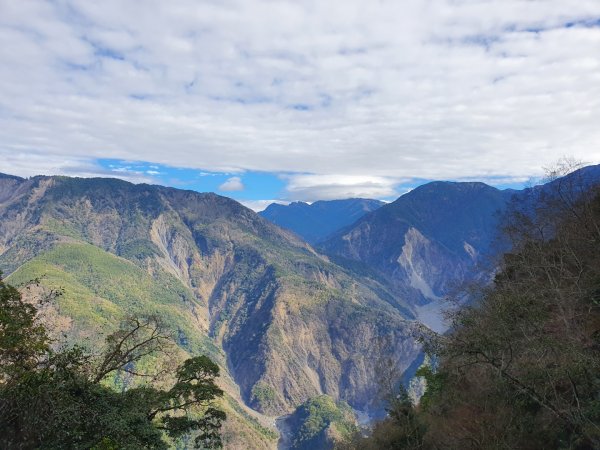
x=286, y=322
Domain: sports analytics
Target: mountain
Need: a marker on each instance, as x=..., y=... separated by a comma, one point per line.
x=284, y=322
x=439, y=237
x=427, y=242
x=317, y=221
x=319, y=423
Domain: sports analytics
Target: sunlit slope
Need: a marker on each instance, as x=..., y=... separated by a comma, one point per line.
x=100, y=289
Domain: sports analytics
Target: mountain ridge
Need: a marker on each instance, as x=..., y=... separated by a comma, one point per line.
x=438, y=238
x=287, y=322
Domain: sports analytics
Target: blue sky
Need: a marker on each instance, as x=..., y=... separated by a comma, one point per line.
x=298, y=100
x=248, y=187
x=254, y=189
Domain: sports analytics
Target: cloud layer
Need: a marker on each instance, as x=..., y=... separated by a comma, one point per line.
x=329, y=187
x=232, y=184
x=357, y=94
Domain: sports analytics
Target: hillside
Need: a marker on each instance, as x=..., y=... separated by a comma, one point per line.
x=285, y=323
x=316, y=221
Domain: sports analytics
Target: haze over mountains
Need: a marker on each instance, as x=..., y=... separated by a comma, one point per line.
x=316, y=221
x=287, y=321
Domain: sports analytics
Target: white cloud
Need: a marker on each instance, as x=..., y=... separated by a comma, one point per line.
x=232, y=184
x=35, y=163
x=261, y=205
x=339, y=186
x=433, y=89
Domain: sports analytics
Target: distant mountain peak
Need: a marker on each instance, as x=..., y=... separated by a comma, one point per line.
x=10, y=177
x=317, y=221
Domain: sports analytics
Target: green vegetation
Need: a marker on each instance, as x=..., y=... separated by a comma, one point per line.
x=139, y=249
x=263, y=395
x=100, y=289
x=521, y=368
x=56, y=399
x=318, y=416
x=62, y=228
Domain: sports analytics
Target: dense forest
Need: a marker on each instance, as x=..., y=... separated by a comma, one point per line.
x=520, y=368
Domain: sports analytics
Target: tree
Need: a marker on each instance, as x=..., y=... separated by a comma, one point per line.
x=22, y=340
x=58, y=399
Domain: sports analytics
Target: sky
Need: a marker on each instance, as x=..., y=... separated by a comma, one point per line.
x=265, y=100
